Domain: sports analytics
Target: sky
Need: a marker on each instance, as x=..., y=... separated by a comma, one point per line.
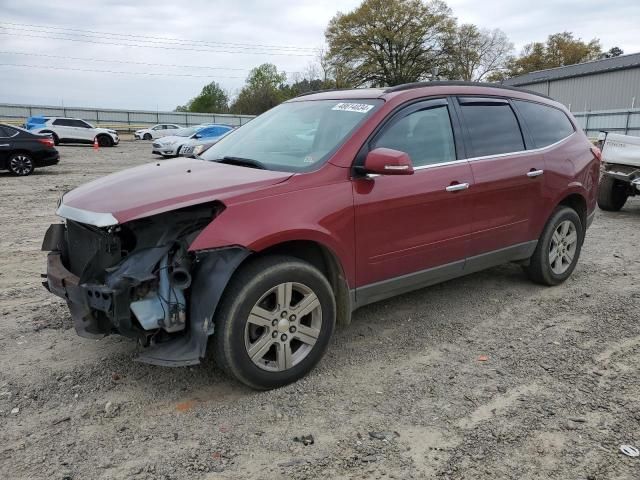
x=48, y=56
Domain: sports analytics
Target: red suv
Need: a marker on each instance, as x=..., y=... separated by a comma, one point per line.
x=321, y=205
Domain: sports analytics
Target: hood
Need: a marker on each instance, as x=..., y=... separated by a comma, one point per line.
x=104, y=130
x=171, y=138
x=160, y=187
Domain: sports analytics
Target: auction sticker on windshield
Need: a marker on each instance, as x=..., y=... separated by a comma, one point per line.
x=353, y=107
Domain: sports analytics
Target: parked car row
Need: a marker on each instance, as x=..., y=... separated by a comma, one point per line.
x=157, y=131
x=190, y=141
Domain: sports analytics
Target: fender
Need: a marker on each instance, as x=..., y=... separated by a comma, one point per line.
x=323, y=214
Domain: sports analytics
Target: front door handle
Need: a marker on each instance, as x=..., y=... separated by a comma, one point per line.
x=4, y=144
x=457, y=187
x=535, y=173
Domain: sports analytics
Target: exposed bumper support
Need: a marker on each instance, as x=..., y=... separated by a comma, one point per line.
x=211, y=273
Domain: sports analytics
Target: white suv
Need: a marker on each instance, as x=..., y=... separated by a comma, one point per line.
x=75, y=130
x=157, y=131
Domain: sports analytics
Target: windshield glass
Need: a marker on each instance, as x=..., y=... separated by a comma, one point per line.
x=187, y=132
x=295, y=136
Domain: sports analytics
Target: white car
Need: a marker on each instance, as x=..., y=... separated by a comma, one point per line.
x=75, y=130
x=157, y=131
x=170, y=146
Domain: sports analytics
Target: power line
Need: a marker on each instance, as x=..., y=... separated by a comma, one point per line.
x=170, y=39
x=104, y=60
x=156, y=46
x=160, y=42
x=163, y=74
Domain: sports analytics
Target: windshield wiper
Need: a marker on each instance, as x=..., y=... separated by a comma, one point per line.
x=247, y=162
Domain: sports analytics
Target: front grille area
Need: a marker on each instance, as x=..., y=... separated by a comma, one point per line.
x=89, y=250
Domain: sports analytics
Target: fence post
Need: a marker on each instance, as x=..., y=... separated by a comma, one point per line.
x=626, y=125
x=586, y=123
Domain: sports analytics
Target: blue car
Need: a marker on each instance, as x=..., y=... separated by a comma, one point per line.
x=203, y=139
x=37, y=121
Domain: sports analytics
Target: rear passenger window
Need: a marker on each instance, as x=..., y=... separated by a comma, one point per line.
x=62, y=122
x=492, y=127
x=546, y=124
x=425, y=135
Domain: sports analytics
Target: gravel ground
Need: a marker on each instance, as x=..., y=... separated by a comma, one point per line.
x=484, y=377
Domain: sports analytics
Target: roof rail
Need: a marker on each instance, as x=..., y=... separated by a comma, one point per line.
x=304, y=94
x=409, y=86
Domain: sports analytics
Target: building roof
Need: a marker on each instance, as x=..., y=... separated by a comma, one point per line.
x=622, y=62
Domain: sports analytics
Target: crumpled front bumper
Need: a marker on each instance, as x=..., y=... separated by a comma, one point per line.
x=99, y=308
x=66, y=285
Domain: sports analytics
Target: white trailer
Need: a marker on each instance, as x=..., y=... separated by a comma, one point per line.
x=621, y=175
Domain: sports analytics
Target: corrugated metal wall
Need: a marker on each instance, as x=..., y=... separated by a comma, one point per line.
x=626, y=122
x=120, y=119
x=598, y=91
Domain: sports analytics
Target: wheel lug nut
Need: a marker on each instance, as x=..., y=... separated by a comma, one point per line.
x=292, y=318
x=283, y=337
x=275, y=322
x=274, y=334
x=283, y=314
x=292, y=329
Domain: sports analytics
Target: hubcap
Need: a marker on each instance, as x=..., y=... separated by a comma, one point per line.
x=563, y=247
x=21, y=165
x=283, y=327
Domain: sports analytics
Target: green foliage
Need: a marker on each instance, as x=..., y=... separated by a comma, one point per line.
x=559, y=50
x=212, y=99
x=613, y=52
x=388, y=42
x=262, y=91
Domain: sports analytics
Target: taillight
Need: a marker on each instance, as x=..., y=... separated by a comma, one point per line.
x=596, y=153
x=47, y=142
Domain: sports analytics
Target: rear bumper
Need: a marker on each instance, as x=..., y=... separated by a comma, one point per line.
x=47, y=159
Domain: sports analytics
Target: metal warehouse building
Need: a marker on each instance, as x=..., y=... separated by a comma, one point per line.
x=608, y=84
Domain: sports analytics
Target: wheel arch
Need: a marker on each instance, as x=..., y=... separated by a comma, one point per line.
x=324, y=259
x=577, y=202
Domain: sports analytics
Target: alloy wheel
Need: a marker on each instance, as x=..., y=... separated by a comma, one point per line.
x=563, y=246
x=21, y=165
x=283, y=326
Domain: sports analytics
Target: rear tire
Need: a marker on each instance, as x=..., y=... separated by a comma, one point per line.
x=105, y=141
x=21, y=164
x=558, y=249
x=274, y=322
x=612, y=194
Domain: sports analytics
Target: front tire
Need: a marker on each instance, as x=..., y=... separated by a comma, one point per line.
x=105, y=141
x=612, y=194
x=558, y=249
x=274, y=322
x=21, y=164
x=146, y=136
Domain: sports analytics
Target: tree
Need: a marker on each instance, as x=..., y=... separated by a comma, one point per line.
x=388, y=42
x=212, y=99
x=262, y=90
x=613, y=52
x=559, y=50
x=475, y=55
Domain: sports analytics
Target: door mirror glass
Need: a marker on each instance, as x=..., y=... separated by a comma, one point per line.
x=386, y=161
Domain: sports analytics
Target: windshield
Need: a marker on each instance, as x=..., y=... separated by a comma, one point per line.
x=295, y=136
x=187, y=132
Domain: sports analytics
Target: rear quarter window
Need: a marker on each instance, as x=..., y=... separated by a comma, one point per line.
x=547, y=125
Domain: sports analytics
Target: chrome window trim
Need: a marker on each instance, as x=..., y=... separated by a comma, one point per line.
x=97, y=219
x=488, y=157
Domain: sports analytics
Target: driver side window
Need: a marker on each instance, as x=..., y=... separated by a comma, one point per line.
x=426, y=135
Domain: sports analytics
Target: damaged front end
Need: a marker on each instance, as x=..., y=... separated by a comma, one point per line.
x=140, y=280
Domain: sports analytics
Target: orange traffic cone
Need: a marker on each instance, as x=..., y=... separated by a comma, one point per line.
x=95, y=143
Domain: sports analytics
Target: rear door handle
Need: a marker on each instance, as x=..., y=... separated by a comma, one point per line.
x=457, y=187
x=535, y=173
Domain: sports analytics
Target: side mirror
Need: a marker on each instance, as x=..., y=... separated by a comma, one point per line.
x=386, y=161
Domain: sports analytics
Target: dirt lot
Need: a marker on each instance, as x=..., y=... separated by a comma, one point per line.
x=483, y=377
